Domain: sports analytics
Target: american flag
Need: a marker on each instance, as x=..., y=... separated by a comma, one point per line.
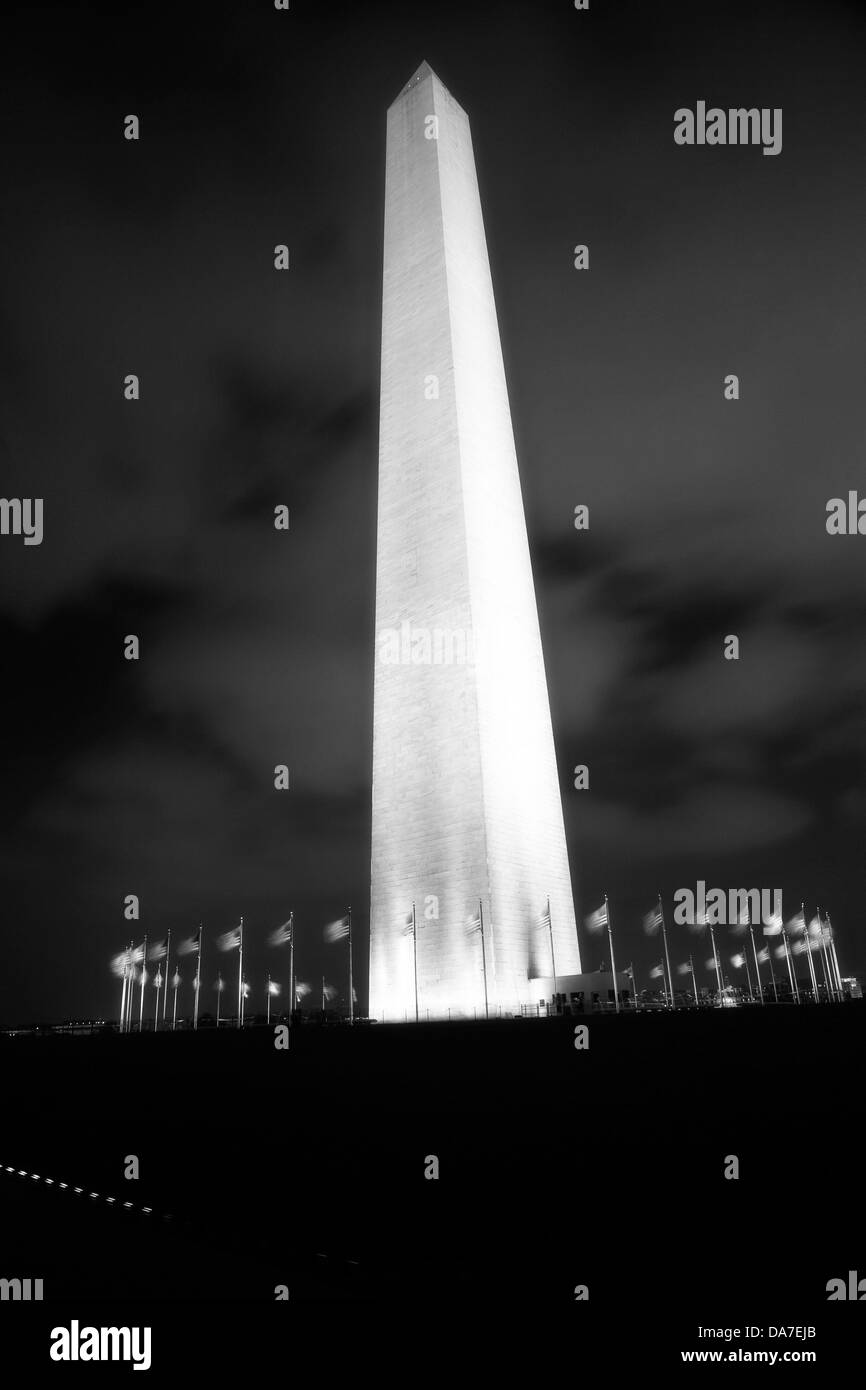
x=598, y=919
x=336, y=931
x=190, y=945
x=283, y=933
x=652, y=921
x=121, y=964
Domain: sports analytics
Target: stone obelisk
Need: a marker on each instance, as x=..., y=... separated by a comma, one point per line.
x=467, y=815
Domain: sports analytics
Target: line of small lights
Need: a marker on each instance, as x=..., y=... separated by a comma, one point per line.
x=111, y=1201
x=65, y=1187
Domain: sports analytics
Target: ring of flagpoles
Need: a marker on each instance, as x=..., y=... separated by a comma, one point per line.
x=816, y=938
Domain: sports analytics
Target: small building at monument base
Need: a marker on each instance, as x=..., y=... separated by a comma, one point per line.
x=579, y=993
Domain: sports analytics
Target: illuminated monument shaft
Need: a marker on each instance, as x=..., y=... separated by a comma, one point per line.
x=466, y=803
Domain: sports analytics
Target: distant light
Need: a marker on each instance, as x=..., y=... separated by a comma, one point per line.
x=109, y=1199
x=127, y=1204
x=50, y=1181
x=64, y=1185
x=94, y=1194
x=35, y=1177
x=147, y=1209
x=78, y=1189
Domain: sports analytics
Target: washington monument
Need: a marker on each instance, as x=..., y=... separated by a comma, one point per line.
x=468, y=838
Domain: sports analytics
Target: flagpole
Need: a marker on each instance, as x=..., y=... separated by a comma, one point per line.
x=825, y=936
x=827, y=988
x=552, y=956
x=612, y=961
x=323, y=996
x=658, y=973
x=807, y=944
x=143, y=979
x=127, y=970
x=757, y=962
x=824, y=968
x=748, y=974
x=694, y=981
x=830, y=993
x=415, y=957
x=123, y=995
x=167, y=959
x=219, y=995
x=130, y=1002
x=128, y=1021
x=240, y=973
x=835, y=958
x=809, y=961
x=836, y=962
x=772, y=975
x=667, y=955
x=174, y=1010
x=351, y=990
x=716, y=963
x=198, y=977
x=158, y=985
x=838, y=970
x=269, y=999
x=483, y=957
x=795, y=988
x=130, y=999
x=291, y=966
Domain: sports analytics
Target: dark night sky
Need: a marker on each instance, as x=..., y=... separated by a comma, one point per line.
x=707, y=517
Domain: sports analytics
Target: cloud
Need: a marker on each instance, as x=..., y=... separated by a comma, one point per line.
x=717, y=819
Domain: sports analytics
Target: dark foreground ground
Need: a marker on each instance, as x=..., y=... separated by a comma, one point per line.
x=557, y=1168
